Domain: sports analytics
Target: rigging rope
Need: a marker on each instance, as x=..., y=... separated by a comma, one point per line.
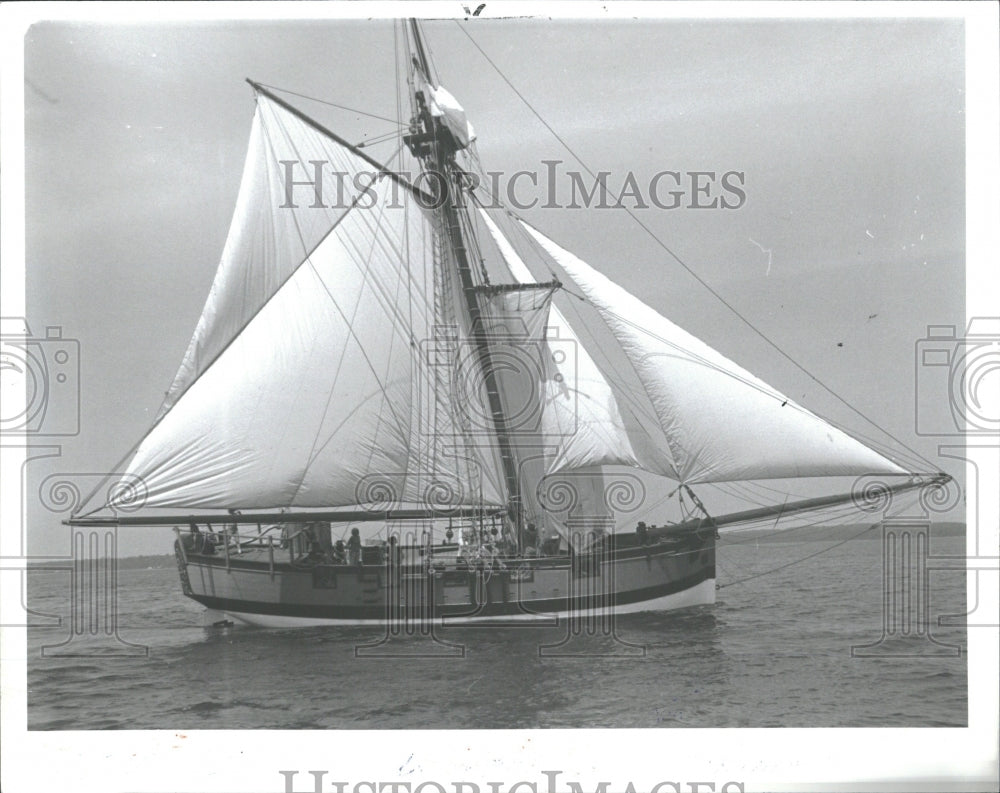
x=684, y=265
x=797, y=561
x=377, y=139
x=332, y=104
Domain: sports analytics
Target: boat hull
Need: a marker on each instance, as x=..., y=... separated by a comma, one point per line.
x=670, y=572
x=697, y=595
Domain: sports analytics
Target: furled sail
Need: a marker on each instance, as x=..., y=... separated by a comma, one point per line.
x=316, y=384
x=445, y=107
x=721, y=422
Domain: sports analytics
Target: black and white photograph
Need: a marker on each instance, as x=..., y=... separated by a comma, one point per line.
x=500, y=397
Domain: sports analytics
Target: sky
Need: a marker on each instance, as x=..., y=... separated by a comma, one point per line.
x=850, y=135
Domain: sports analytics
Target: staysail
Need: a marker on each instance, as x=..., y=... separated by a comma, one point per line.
x=578, y=423
x=311, y=379
x=580, y=416
x=721, y=422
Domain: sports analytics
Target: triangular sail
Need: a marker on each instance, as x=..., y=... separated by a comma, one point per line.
x=580, y=416
x=270, y=235
x=329, y=393
x=722, y=423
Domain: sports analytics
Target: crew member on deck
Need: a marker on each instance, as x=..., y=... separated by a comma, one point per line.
x=192, y=540
x=231, y=532
x=300, y=536
x=354, y=548
x=529, y=541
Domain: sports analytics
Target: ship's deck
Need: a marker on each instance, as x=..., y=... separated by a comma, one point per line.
x=445, y=556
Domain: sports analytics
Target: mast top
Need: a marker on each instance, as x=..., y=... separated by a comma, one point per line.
x=418, y=41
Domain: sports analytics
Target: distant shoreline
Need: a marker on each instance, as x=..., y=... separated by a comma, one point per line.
x=155, y=561
x=828, y=533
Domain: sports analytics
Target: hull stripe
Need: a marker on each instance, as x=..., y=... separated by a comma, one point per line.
x=523, y=609
x=701, y=594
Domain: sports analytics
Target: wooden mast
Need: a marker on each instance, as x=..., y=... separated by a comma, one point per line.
x=435, y=146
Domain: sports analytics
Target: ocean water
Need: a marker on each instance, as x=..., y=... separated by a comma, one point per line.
x=774, y=651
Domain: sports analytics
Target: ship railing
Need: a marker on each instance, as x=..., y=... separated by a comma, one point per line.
x=231, y=540
x=225, y=538
x=228, y=542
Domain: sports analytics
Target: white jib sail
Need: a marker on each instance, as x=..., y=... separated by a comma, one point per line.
x=723, y=423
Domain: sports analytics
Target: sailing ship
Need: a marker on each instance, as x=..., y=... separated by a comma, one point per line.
x=390, y=369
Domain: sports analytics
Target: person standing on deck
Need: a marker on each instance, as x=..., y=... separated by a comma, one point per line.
x=395, y=553
x=529, y=541
x=232, y=532
x=354, y=548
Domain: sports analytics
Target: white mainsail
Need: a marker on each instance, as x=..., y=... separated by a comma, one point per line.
x=722, y=423
x=311, y=380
